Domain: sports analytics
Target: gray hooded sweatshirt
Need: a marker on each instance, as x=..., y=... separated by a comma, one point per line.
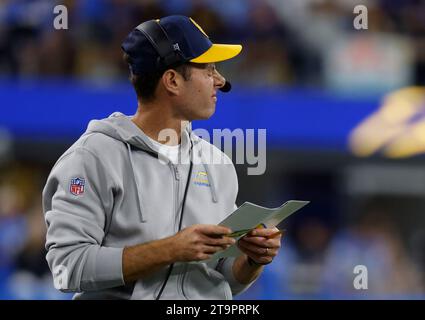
x=109, y=190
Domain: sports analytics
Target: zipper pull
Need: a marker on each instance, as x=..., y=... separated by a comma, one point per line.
x=176, y=172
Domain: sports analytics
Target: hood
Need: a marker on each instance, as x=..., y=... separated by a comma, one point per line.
x=120, y=127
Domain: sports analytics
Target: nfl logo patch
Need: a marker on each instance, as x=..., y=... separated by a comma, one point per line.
x=77, y=186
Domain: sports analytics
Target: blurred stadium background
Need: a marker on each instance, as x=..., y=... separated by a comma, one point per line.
x=343, y=109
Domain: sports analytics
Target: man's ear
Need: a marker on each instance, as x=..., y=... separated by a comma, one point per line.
x=172, y=81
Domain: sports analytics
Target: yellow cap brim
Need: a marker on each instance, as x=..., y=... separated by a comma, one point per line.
x=218, y=52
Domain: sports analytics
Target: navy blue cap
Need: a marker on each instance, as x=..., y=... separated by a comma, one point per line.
x=185, y=39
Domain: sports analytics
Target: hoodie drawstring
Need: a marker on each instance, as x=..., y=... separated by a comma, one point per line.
x=139, y=201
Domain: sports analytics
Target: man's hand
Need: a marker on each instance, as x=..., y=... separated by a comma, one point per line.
x=200, y=242
x=261, y=245
x=197, y=242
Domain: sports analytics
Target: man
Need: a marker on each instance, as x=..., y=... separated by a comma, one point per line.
x=130, y=217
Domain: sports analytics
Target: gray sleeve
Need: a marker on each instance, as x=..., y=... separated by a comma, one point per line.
x=75, y=225
x=225, y=266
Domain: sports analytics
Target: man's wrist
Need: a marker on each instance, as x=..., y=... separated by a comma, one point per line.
x=253, y=263
x=169, y=250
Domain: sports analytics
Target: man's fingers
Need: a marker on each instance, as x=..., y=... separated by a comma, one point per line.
x=258, y=250
x=264, y=232
x=263, y=242
x=214, y=249
x=260, y=258
x=213, y=230
x=222, y=241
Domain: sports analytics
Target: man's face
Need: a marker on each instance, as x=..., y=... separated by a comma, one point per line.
x=200, y=92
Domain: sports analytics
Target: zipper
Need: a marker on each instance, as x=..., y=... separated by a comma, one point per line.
x=176, y=192
x=176, y=175
x=176, y=172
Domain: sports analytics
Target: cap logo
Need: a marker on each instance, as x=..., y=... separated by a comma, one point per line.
x=198, y=26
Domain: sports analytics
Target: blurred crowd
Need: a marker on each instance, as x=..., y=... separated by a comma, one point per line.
x=319, y=262
x=317, y=259
x=285, y=41
x=24, y=273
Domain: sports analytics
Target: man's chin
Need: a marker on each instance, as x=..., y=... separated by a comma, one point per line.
x=206, y=115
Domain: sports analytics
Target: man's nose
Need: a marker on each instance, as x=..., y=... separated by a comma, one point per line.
x=219, y=80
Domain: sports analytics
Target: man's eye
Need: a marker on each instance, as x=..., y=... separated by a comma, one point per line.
x=211, y=70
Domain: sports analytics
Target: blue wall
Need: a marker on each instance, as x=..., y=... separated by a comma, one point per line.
x=293, y=117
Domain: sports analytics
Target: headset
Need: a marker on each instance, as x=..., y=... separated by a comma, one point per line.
x=169, y=53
